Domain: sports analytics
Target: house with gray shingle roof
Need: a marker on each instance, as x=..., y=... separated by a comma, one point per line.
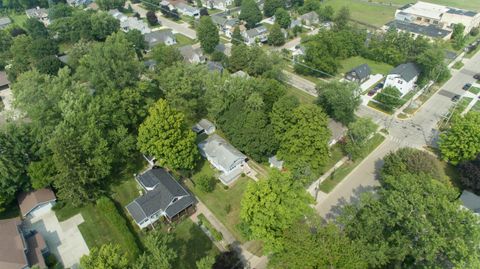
x=403, y=77
x=224, y=157
x=187, y=10
x=164, y=197
x=359, y=74
x=165, y=36
x=192, y=55
x=254, y=35
x=310, y=18
x=38, y=13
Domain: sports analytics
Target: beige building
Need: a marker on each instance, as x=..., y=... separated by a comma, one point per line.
x=441, y=17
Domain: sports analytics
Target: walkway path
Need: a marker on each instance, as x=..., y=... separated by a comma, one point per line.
x=313, y=188
x=248, y=258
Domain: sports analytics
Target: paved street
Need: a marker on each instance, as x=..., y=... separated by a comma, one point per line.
x=417, y=131
x=300, y=83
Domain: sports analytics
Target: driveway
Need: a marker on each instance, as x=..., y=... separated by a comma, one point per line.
x=63, y=239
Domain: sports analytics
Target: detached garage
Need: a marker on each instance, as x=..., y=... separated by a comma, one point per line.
x=36, y=203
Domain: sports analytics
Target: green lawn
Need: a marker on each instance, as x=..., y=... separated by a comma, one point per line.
x=379, y=107
x=336, y=154
x=302, y=96
x=462, y=104
x=365, y=12
x=476, y=107
x=18, y=18
x=183, y=40
x=466, y=4
x=457, y=65
x=377, y=68
x=329, y=184
x=191, y=244
x=474, y=90
x=224, y=203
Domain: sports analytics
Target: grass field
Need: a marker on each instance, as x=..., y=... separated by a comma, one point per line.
x=377, y=68
x=476, y=107
x=365, y=12
x=474, y=90
x=466, y=4
x=329, y=184
x=457, y=65
x=191, y=244
x=183, y=40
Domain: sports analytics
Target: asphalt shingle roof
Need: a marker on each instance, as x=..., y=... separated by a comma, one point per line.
x=361, y=71
x=407, y=71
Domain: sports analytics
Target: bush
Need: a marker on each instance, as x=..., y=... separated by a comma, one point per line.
x=116, y=221
x=475, y=31
x=51, y=260
x=205, y=183
x=152, y=18
x=215, y=234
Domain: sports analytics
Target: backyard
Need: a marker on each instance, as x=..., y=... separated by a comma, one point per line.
x=377, y=67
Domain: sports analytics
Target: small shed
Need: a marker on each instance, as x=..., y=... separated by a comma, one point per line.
x=359, y=74
x=275, y=162
x=204, y=126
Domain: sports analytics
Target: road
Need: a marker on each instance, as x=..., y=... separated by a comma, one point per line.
x=418, y=131
x=300, y=83
x=182, y=28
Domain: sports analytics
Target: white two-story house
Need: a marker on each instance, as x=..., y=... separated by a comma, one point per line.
x=403, y=77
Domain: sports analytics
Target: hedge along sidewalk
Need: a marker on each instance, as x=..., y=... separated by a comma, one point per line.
x=339, y=174
x=202, y=221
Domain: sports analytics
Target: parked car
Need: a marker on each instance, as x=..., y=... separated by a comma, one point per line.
x=467, y=86
x=372, y=92
x=477, y=76
x=456, y=98
x=378, y=86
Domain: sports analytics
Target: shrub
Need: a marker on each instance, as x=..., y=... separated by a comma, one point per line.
x=116, y=221
x=205, y=183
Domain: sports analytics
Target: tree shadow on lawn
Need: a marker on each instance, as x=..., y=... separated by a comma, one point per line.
x=190, y=250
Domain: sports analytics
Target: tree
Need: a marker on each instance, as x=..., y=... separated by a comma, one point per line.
x=281, y=116
x=205, y=183
x=470, y=174
x=137, y=41
x=413, y=161
x=16, y=152
x=207, y=34
x=461, y=142
x=204, y=12
x=413, y=221
x=59, y=10
x=237, y=3
x=270, y=6
x=342, y=18
x=389, y=98
x=305, y=143
x=282, y=17
x=339, y=99
x=115, y=58
x=228, y=259
x=309, y=244
x=111, y=4
x=165, y=135
x=273, y=205
x=276, y=37
x=158, y=254
x=166, y=56
x=326, y=13
x=106, y=257
x=250, y=13
x=237, y=37
x=152, y=18
x=103, y=25
x=205, y=262
x=41, y=173
x=358, y=133
x=433, y=66
x=458, y=36
x=35, y=28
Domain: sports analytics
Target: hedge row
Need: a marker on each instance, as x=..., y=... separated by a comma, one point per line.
x=118, y=223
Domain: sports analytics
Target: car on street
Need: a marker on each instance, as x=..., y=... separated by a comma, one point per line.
x=456, y=98
x=467, y=86
x=477, y=76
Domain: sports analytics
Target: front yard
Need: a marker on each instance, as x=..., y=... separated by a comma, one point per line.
x=183, y=40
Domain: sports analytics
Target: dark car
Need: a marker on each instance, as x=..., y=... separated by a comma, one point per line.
x=456, y=98
x=372, y=92
x=477, y=76
x=378, y=86
x=467, y=86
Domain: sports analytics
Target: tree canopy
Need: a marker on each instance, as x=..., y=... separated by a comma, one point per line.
x=165, y=135
x=340, y=100
x=106, y=257
x=273, y=205
x=207, y=34
x=250, y=13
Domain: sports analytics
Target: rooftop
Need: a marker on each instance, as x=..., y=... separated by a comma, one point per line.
x=29, y=200
x=160, y=36
x=471, y=201
x=424, y=9
x=361, y=71
x=219, y=149
x=12, y=245
x=407, y=71
x=426, y=30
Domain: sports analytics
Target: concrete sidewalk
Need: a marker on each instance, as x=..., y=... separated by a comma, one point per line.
x=248, y=258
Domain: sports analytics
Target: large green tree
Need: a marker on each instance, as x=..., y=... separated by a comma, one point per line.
x=461, y=142
x=103, y=25
x=108, y=256
x=271, y=206
x=282, y=18
x=165, y=135
x=389, y=98
x=339, y=99
x=207, y=34
x=305, y=143
x=309, y=244
x=16, y=152
x=458, y=37
x=166, y=56
x=111, y=65
x=276, y=37
x=111, y=4
x=358, y=134
x=250, y=13
x=433, y=66
x=414, y=221
x=281, y=116
x=158, y=254
x=270, y=6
